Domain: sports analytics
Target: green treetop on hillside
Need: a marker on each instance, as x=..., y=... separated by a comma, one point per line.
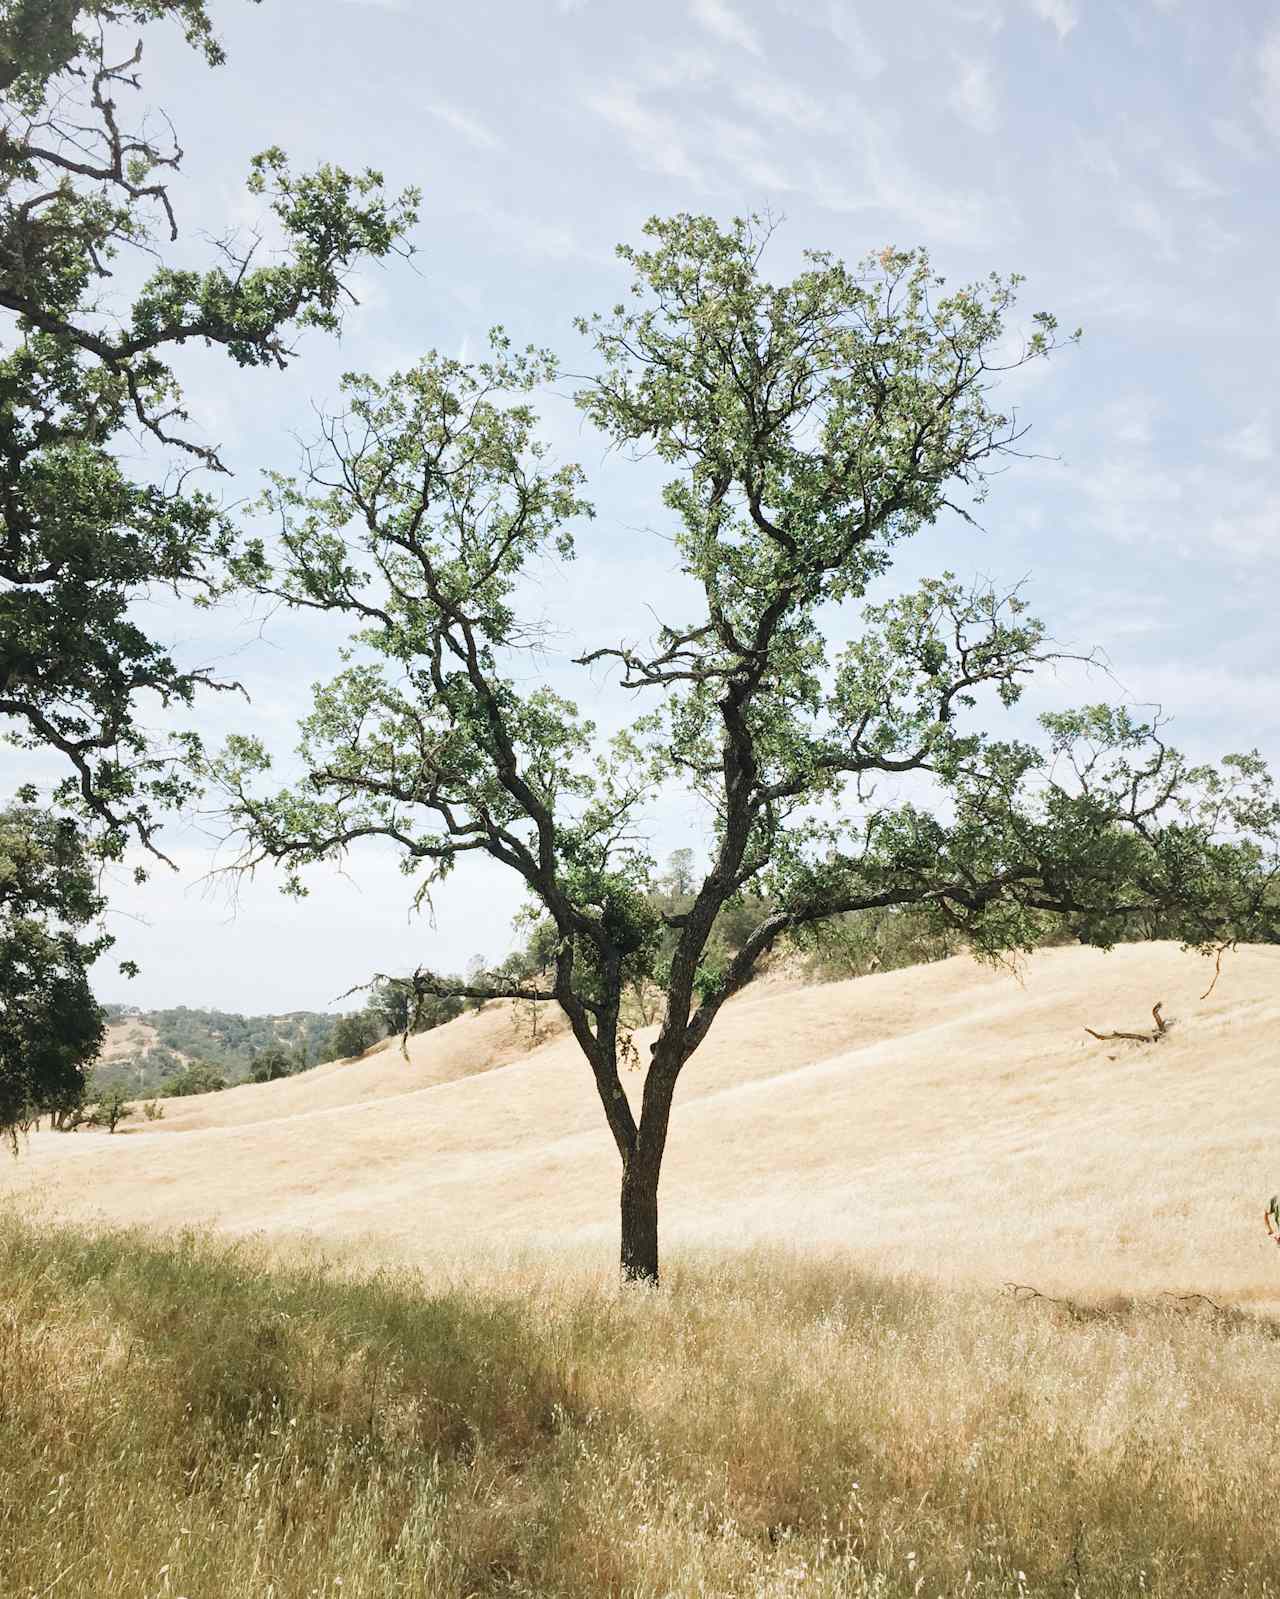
x=810, y=426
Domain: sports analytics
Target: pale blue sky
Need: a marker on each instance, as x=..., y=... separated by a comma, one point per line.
x=1122, y=155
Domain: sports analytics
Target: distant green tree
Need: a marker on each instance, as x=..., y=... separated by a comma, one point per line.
x=51, y=1028
x=111, y=1109
x=198, y=1078
x=811, y=426
x=393, y=1005
x=679, y=879
x=353, y=1034
x=72, y=1106
x=271, y=1064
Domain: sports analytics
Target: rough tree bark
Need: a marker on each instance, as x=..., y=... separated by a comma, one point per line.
x=640, y=1219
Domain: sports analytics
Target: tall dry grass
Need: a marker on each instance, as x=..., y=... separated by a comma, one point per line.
x=189, y=1418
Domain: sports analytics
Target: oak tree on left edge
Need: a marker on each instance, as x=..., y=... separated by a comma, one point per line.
x=104, y=479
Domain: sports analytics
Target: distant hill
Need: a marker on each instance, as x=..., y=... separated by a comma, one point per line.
x=143, y=1048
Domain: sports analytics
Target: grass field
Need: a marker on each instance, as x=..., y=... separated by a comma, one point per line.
x=946, y=1120
x=389, y=1355
x=186, y=1419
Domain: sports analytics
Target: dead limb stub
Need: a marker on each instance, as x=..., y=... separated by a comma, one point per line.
x=1024, y=1291
x=1161, y=1028
x=1192, y=1299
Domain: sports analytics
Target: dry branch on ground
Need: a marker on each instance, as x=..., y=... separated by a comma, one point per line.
x=1161, y=1028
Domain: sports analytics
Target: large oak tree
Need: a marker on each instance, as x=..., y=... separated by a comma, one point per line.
x=810, y=426
x=104, y=478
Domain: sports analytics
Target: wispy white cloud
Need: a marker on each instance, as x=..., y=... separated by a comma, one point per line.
x=1188, y=178
x=1097, y=155
x=542, y=238
x=1138, y=495
x=1249, y=529
x=1154, y=225
x=687, y=69
x=1182, y=690
x=749, y=155
x=1128, y=419
x=718, y=17
x=1238, y=140
x=1136, y=499
x=785, y=103
x=1251, y=443
x=468, y=126
x=1269, y=78
x=986, y=13
x=884, y=180
x=973, y=97
x=841, y=21
x=656, y=137
x=1061, y=14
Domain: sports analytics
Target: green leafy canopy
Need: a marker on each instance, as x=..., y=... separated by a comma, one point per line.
x=50, y=1025
x=86, y=530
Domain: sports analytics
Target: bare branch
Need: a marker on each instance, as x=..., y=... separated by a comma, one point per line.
x=1161, y=1028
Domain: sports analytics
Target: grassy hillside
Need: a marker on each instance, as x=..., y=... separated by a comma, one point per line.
x=944, y=1119
x=186, y=1420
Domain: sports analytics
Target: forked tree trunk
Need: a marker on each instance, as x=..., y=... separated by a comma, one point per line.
x=640, y=1219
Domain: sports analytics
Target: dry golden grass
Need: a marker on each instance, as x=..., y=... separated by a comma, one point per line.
x=792, y=1414
x=944, y=1120
x=183, y=1420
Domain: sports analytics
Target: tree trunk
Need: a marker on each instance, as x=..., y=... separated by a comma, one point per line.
x=640, y=1220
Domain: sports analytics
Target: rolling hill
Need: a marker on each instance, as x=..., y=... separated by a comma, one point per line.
x=943, y=1118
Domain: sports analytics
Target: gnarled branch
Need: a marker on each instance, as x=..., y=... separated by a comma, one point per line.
x=1161, y=1028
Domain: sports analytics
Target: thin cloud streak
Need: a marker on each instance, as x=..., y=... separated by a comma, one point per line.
x=656, y=138
x=720, y=19
x=839, y=19
x=469, y=127
x=974, y=99
x=1060, y=14
x=1269, y=79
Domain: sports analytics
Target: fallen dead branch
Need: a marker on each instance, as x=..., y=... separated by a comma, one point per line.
x=1191, y=1299
x=1161, y=1028
x=1024, y=1291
